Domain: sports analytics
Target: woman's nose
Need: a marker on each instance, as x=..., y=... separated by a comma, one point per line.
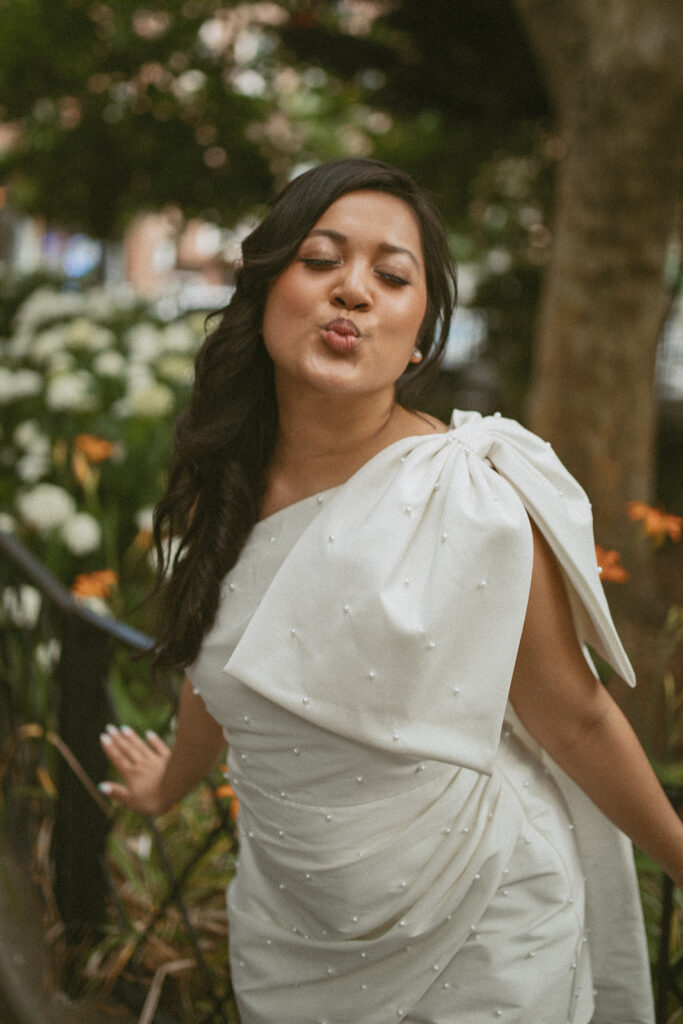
x=351, y=291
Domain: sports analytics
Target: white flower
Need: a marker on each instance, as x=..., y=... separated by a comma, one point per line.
x=36, y=459
x=79, y=332
x=84, y=334
x=16, y=384
x=32, y=466
x=145, y=342
x=153, y=400
x=109, y=364
x=141, y=845
x=169, y=555
x=82, y=534
x=47, y=654
x=138, y=377
x=104, y=303
x=59, y=363
x=47, y=344
x=20, y=344
x=180, y=337
x=498, y=261
x=178, y=369
x=46, y=506
x=71, y=391
x=144, y=518
x=29, y=436
x=46, y=304
x=7, y=522
x=21, y=605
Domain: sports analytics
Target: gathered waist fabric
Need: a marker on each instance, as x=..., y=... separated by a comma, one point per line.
x=379, y=898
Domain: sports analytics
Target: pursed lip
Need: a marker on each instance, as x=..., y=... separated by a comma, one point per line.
x=341, y=336
x=340, y=325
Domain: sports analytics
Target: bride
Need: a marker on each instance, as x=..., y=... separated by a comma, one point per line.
x=386, y=618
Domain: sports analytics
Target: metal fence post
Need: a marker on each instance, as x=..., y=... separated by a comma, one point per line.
x=80, y=828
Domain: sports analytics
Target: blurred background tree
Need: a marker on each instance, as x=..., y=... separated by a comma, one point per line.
x=615, y=75
x=125, y=107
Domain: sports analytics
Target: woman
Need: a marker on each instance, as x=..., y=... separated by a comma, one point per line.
x=385, y=618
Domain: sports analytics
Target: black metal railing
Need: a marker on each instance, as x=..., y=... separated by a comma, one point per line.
x=56, y=660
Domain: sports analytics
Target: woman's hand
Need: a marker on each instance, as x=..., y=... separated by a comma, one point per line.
x=155, y=776
x=142, y=766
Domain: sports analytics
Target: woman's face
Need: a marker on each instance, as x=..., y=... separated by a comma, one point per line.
x=345, y=315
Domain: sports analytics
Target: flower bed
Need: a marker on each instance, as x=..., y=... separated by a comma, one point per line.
x=90, y=384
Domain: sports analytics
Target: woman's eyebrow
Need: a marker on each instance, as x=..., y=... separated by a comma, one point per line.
x=387, y=247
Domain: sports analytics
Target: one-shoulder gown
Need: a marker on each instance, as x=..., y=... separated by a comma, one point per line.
x=407, y=851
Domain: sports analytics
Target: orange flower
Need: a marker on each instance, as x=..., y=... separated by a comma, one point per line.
x=608, y=563
x=657, y=523
x=227, y=791
x=83, y=472
x=95, y=449
x=95, y=584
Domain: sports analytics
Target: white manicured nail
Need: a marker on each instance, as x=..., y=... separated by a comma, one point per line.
x=105, y=787
x=105, y=738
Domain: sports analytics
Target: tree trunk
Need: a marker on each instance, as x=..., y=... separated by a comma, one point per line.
x=614, y=72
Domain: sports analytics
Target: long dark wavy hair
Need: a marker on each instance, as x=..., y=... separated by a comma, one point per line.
x=224, y=439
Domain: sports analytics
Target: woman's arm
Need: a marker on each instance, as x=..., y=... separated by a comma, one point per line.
x=155, y=776
x=575, y=720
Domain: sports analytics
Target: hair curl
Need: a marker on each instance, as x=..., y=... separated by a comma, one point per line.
x=224, y=439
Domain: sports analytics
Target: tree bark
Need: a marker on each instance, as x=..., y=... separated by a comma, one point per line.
x=614, y=72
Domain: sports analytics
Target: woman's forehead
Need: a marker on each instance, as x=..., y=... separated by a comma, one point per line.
x=369, y=214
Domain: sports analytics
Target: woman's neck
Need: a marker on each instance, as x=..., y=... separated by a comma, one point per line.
x=321, y=442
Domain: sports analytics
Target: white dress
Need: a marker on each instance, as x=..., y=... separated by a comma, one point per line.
x=407, y=851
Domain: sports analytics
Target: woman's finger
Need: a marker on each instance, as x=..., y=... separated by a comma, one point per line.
x=126, y=749
x=118, y=748
x=133, y=744
x=114, y=791
x=157, y=744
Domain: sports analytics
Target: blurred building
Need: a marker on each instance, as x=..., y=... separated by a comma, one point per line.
x=177, y=264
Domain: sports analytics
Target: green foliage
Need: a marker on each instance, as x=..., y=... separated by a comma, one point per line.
x=651, y=892
x=121, y=108
x=208, y=106
x=146, y=928
x=453, y=87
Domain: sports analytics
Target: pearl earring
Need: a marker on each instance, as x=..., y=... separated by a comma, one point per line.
x=416, y=356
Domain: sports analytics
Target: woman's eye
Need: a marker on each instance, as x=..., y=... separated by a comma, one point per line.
x=315, y=261
x=393, y=278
